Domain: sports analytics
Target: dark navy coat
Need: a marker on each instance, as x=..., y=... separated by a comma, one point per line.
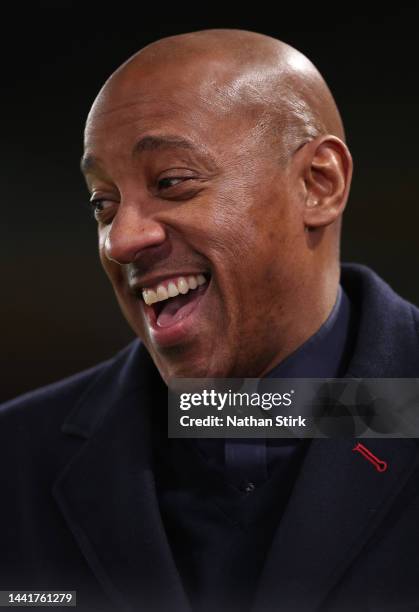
x=78, y=506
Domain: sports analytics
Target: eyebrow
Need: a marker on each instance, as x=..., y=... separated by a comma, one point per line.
x=151, y=143
x=147, y=143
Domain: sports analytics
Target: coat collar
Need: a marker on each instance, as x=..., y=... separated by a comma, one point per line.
x=108, y=498
x=387, y=334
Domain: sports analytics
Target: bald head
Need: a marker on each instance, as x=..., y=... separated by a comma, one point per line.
x=218, y=156
x=236, y=71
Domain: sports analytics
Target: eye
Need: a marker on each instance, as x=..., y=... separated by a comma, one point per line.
x=170, y=181
x=97, y=204
x=101, y=208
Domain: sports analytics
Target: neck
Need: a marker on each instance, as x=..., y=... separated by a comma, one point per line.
x=311, y=307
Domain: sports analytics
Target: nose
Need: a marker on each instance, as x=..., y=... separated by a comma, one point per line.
x=130, y=232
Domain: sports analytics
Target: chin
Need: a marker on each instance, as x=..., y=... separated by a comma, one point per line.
x=197, y=368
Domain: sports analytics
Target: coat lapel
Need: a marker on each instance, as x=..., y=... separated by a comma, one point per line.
x=107, y=493
x=337, y=503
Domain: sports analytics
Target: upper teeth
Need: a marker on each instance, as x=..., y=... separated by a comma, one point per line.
x=165, y=291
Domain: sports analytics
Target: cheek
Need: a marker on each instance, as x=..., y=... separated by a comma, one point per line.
x=273, y=266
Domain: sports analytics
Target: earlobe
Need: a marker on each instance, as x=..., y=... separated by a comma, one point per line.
x=327, y=178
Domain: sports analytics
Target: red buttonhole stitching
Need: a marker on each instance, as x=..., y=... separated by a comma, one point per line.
x=379, y=465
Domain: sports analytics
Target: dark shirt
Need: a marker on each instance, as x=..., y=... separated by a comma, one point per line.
x=248, y=462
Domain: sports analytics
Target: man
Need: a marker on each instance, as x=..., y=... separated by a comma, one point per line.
x=218, y=173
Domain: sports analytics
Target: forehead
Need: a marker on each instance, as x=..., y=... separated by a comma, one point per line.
x=185, y=104
x=127, y=119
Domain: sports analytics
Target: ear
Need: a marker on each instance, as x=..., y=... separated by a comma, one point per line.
x=326, y=173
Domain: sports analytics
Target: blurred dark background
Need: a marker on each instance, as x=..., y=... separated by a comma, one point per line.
x=58, y=312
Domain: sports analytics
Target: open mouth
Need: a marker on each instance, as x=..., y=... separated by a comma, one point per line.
x=171, y=301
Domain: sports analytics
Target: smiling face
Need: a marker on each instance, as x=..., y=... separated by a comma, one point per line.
x=200, y=225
